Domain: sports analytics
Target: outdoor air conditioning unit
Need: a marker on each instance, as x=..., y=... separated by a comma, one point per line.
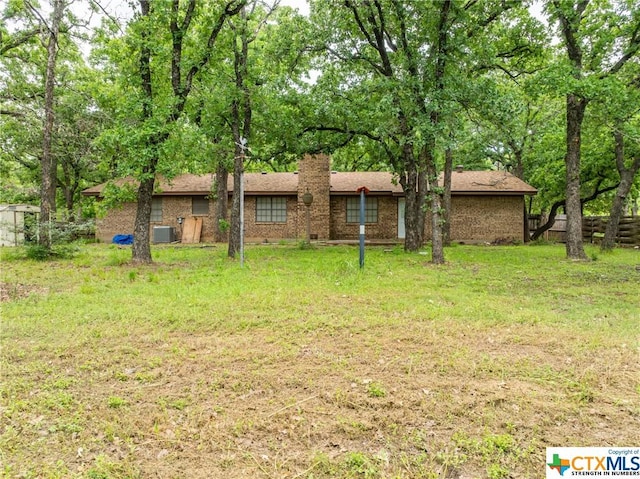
x=164, y=234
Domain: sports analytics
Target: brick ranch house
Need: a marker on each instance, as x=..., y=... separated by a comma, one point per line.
x=486, y=205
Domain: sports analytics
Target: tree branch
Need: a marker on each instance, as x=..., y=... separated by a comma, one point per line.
x=632, y=50
x=16, y=114
x=561, y=203
x=505, y=5
x=110, y=17
x=18, y=39
x=231, y=9
x=352, y=6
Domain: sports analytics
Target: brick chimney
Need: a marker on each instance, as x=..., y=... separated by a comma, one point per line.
x=314, y=175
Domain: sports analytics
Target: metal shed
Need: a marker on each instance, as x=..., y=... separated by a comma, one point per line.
x=12, y=223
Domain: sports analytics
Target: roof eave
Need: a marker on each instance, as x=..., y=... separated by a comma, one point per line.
x=493, y=193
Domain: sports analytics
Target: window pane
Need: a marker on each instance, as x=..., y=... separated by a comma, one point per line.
x=353, y=210
x=279, y=210
x=370, y=210
x=199, y=206
x=271, y=209
x=263, y=209
x=156, y=209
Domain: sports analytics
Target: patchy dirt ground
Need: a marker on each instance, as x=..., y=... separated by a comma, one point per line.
x=422, y=400
x=12, y=291
x=298, y=366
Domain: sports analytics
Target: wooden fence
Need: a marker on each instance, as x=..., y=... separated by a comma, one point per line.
x=593, y=228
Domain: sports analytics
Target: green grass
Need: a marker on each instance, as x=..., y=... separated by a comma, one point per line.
x=302, y=365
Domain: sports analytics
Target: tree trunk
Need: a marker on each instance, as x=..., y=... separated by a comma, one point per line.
x=422, y=204
x=70, y=183
x=437, y=250
x=518, y=171
x=413, y=238
x=49, y=164
x=627, y=176
x=413, y=184
x=410, y=181
x=141, y=251
x=241, y=114
x=437, y=245
x=222, y=203
x=181, y=85
x=235, y=230
x=446, y=197
x=435, y=196
x=575, y=114
x=550, y=220
x=141, y=241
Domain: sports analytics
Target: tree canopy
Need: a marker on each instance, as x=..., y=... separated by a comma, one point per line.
x=407, y=87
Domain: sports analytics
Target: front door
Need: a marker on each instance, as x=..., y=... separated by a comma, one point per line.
x=401, y=233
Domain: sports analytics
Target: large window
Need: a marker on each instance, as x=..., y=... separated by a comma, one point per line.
x=199, y=205
x=271, y=209
x=156, y=209
x=370, y=210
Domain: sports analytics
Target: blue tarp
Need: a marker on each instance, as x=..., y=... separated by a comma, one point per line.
x=122, y=239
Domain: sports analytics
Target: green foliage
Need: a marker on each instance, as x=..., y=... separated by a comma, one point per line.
x=358, y=463
x=38, y=252
x=77, y=120
x=58, y=251
x=499, y=105
x=304, y=245
x=114, y=195
x=376, y=390
x=116, y=402
x=65, y=240
x=223, y=225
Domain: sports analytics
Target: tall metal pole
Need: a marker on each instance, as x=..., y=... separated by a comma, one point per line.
x=362, y=209
x=242, y=218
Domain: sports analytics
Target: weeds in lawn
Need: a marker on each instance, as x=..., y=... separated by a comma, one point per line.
x=376, y=390
x=116, y=402
x=195, y=367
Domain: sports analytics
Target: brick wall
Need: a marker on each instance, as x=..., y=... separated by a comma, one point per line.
x=118, y=220
x=314, y=174
x=385, y=228
x=474, y=218
x=175, y=206
x=121, y=220
x=487, y=218
x=258, y=232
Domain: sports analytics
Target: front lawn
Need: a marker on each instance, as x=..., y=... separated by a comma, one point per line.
x=299, y=365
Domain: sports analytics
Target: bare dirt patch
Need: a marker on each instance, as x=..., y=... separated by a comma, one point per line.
x=416, y=402
x=14, y=291
x=309, y=368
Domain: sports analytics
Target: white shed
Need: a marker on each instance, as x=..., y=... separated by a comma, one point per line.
x=12, y=223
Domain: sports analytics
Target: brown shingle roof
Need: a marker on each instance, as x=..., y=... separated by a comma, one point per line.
x=265, y=183
x=255, y=183
x=488, y=182
x=466, y=182
x=376, y=182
